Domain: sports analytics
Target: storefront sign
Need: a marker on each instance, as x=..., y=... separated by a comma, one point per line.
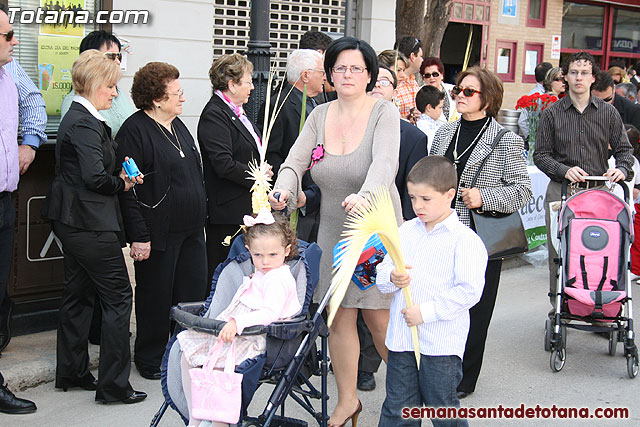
x=509, y=8
x=555, y=47
x=57, y=49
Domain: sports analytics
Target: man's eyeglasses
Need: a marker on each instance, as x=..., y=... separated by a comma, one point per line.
x=356, y=69
x=435, y=74
x=384, y=82
x=9, y=35
x=179, y=93
x=114, y=55
x=467, y=91
x=574, y=73
x=319, y=71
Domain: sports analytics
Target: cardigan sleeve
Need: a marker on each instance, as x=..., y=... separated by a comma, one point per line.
x=131, y=144
x=292, y=170
x=385, y=149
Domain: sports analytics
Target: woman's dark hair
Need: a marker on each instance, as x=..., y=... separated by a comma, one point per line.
x=95, y=40
x=490, y=86
x=351, y=43
x=634, y=138
x=393, y=74
x=280, y=229
x=429, y=62
x=150, y=83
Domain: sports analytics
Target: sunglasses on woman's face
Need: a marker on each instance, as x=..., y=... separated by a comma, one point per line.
x=9, y=35
x=559, y=79
x=467, y=91
x=114, y=55
x=435, y=74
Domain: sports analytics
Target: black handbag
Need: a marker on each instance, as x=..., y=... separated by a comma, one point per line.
x=503, y=234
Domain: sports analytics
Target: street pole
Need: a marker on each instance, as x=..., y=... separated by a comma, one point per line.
x=260, y=56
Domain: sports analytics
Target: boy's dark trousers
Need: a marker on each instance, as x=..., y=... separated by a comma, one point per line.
x=434, y=386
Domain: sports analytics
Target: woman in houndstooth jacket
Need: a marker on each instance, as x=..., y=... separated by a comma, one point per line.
x=503, y=186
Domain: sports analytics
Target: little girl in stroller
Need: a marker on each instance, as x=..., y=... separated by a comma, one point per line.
x=265, y=297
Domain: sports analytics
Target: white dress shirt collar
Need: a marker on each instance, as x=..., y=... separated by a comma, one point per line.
x=89, y=106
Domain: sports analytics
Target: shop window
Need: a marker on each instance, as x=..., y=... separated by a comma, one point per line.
x=46, y=52
x=626, y=34
x=533, y=55
x=582, y=26
x=506, y=60
x=536, y=13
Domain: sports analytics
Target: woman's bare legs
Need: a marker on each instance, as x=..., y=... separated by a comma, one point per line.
x=344, y=348
x=377, y=321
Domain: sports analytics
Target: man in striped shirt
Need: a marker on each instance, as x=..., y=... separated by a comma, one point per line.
x=448, y=261
x=573, y=140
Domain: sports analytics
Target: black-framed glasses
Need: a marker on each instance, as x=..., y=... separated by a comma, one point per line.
x=356, y=69
x=416, y=42
x=559, y=79
x=9, y=35
x=384, y=82
x=114, y=55
x=435, y=74
x=467, y=91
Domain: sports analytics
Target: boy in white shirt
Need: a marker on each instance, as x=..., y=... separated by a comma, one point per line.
x=430, y=100
x=446, y=262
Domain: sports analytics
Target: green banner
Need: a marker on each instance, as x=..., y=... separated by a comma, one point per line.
x=536, y=236
x=55, y=59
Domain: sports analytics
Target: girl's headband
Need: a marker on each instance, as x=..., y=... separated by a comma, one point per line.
x=263, y=217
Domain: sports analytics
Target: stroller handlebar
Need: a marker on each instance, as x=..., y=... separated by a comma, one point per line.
x=597, y=180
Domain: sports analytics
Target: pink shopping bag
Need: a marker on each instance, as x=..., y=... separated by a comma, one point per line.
x=216, y=395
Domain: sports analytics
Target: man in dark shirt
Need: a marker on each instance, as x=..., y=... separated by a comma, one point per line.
x=605, y=89
x=573, y=140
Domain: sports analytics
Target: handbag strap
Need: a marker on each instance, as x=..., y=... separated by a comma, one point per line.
x=494, y=144
x=214, y=354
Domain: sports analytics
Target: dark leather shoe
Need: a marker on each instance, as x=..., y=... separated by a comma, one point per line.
x=135, y=397
x=463, y=394
x=10, y=404
x=5, y=328
x=149, y=373
x=366, y=381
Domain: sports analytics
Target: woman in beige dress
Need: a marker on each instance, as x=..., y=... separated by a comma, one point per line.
x=357, y=138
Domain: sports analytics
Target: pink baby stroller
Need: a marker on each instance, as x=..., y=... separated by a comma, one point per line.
x=595, y=231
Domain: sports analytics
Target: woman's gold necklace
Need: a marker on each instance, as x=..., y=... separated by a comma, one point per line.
x=175, y=135
x=343, y=139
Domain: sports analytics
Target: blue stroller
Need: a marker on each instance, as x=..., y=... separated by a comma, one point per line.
x=291, y=356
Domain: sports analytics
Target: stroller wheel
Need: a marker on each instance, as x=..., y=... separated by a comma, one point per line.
x=548, y=327
x=613, y=342
x=557, y=359
x=632, y=365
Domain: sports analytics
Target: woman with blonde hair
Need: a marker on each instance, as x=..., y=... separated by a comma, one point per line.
x=83, y=206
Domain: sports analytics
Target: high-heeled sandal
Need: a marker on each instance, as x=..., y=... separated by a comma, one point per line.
x=353, y=417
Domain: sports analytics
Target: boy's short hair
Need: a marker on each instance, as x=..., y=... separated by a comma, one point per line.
x=428, y=95
x=437, y=172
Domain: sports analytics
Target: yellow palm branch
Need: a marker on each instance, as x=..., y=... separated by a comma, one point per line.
x=378, y=217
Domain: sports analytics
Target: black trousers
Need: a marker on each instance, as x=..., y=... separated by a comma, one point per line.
x=369, y=360
x=480, y=317
x=94, y=264
x=216, y=251
x=7, y=223
x=166, y=278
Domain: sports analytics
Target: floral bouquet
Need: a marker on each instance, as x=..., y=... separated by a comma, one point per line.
x=534, y=105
